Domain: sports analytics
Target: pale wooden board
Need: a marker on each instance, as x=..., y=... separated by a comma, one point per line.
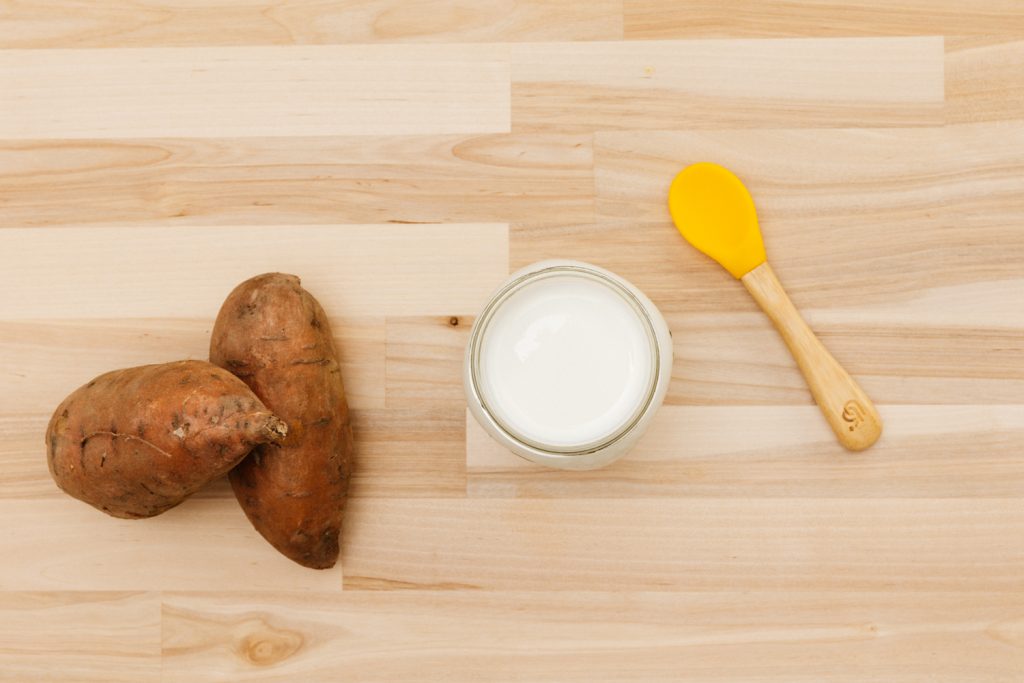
x=878, y=177
x=40, y=360
x=739, y=359
x=985, y=78
x=668, y=544
x=410, y=452
x=276, y=181
x=120, y=23
x=254, y=91
x=844, y=635
x=727, y=83
x=424, y=360
x=354, y=270
x=967, y=451
x=738, y=542
x=80, y=636
x=203, y=544
x=646, y=19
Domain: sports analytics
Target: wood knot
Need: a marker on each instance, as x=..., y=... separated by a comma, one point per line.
x=453, y=321
x=266, y=646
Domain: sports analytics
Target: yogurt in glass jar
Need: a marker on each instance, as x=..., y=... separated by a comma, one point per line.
x=567, y=364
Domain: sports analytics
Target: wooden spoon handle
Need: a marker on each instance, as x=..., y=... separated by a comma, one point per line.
x=847, y=408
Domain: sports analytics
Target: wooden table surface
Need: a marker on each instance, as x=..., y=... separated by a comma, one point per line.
x=404, y=156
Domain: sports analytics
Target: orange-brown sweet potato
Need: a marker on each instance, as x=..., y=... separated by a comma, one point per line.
x=138, y=441
x=275, y=336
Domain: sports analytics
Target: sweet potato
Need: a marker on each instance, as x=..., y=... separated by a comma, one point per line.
x=274, y=335
x=138, y=441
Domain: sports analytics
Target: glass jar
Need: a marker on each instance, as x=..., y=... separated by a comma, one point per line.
x=567, y=364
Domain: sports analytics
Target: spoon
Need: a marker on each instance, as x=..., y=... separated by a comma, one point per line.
x=714, y=212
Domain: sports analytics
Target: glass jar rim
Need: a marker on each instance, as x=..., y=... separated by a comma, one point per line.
x=607, y=279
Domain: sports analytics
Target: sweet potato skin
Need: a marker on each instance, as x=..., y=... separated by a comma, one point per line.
x=275, y=336
x=138, y=441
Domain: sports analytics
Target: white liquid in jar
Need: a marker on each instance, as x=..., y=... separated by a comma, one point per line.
x=566, y=361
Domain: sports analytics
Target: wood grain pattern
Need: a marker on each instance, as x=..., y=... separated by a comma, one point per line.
x=424, y=360
x=836, y=18
x=253, y=91
x=985, y=78
x=62, y=545
x=738, y=359
x=541, y=178
x=183, y=271
x=865, y=188
x=726, y=84
x=92, y=637
x=410, y=452
x=41, y=359
x=667, y=544
x=936, y=451
x=402, y=157
x=126, y=23
x=842, y=175
x=583, y=636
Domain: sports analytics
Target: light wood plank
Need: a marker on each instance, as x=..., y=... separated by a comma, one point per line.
x=254, y=91
x=253, y=181
x=785, y=451
x=42, y=362
x=727, y=83
x=64, y=544
x=80, y=637
x=666, y=544
x=123, y=23
x=837, y=18
x=23, y=452
x=185, y=272
x=906, y=174
x=425, y=359
x=985, y=79
x=740, y=359
x=410, y=452
x=578, y=636
x=193, y=145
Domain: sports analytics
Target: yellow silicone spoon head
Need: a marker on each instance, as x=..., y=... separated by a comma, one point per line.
x=715, y=213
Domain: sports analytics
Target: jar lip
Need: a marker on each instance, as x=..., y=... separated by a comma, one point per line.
x=593, y=273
